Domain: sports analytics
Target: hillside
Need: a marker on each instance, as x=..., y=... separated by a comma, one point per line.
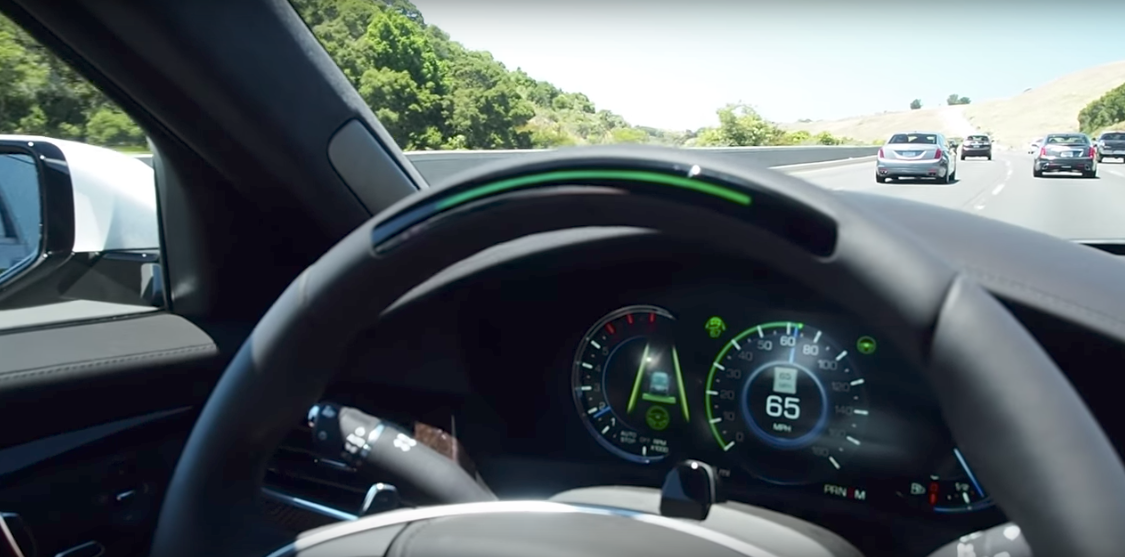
x=875, y=126
x=1014, y=120
x=1051, y=107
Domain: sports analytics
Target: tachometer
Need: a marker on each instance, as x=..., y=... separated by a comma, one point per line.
x=787, y=402
x=627, y=382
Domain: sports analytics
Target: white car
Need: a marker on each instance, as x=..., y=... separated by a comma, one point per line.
x=1034, y=146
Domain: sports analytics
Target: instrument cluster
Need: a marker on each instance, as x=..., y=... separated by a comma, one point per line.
x=802, y=400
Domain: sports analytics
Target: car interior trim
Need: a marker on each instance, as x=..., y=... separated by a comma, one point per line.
x=367, y=167
x=19, y=457
x=307, y=505
x=98, y=348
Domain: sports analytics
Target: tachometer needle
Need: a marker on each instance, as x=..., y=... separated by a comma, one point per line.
x=637, y=381
x=965, y=466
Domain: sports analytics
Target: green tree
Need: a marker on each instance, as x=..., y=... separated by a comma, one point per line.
x=740, y=126
x=1105, y=111
x=44, y=96
x=402, y=79
x=111, y=127
x=485, y=109
x=915, y=104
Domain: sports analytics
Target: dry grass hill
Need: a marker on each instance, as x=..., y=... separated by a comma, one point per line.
x=1014, y=120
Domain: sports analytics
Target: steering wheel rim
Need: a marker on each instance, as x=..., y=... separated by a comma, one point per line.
x=1002, y=396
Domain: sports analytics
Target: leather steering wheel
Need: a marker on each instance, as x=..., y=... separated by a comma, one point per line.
x=1031, y=439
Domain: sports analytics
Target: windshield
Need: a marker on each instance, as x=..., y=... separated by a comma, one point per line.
x=825, y=84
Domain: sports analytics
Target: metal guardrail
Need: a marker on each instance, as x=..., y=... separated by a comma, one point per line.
x=439, y=165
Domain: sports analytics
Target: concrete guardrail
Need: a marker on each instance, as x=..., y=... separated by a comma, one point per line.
x=439, y=165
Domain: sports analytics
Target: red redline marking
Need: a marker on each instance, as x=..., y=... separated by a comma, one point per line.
x=629, y=318
x=652, y=318
x=609, y=327
x=933, y=493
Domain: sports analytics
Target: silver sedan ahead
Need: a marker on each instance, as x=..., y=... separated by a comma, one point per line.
x=916, y=155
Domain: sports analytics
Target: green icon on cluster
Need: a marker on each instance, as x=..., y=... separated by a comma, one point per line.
x=865, y=345
x=657, y=418
x=715, y=327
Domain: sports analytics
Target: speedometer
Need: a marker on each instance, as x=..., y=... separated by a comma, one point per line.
x=628, y=386
x=787, y=402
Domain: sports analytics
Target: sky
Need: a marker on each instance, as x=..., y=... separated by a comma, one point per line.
x=672, y=64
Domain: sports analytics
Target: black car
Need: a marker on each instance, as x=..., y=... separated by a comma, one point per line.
x=1111, y=145
x=1067, y=152
x=977, y=146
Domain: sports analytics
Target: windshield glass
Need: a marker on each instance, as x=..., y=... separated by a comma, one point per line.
x=1113, y=137
x=834, y=83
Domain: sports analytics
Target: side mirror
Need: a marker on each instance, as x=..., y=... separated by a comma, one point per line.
x=77, y=223
x=36, y=215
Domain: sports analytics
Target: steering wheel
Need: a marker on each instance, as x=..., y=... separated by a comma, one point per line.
x=1030, y=437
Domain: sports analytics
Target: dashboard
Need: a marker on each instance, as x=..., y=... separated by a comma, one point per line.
x=607, y=361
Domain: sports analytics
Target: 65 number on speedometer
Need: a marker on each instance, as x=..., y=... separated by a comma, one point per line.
x=787, y=401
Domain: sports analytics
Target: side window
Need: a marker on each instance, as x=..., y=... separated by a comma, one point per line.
x=79, y=225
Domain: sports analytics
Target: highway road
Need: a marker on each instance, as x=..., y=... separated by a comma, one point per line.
x=1062, y=205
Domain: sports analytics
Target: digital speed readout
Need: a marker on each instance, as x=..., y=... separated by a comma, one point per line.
x=787, y=401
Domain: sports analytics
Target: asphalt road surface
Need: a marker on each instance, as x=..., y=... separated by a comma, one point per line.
x=1062, y=205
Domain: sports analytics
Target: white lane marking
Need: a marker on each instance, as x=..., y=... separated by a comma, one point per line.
x=979, y=206
x=1007, y=176
x=1117, y=172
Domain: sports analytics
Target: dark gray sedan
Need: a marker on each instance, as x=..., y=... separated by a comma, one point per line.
x=1066, y=152
x=1111, y=145
x=977, y=146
